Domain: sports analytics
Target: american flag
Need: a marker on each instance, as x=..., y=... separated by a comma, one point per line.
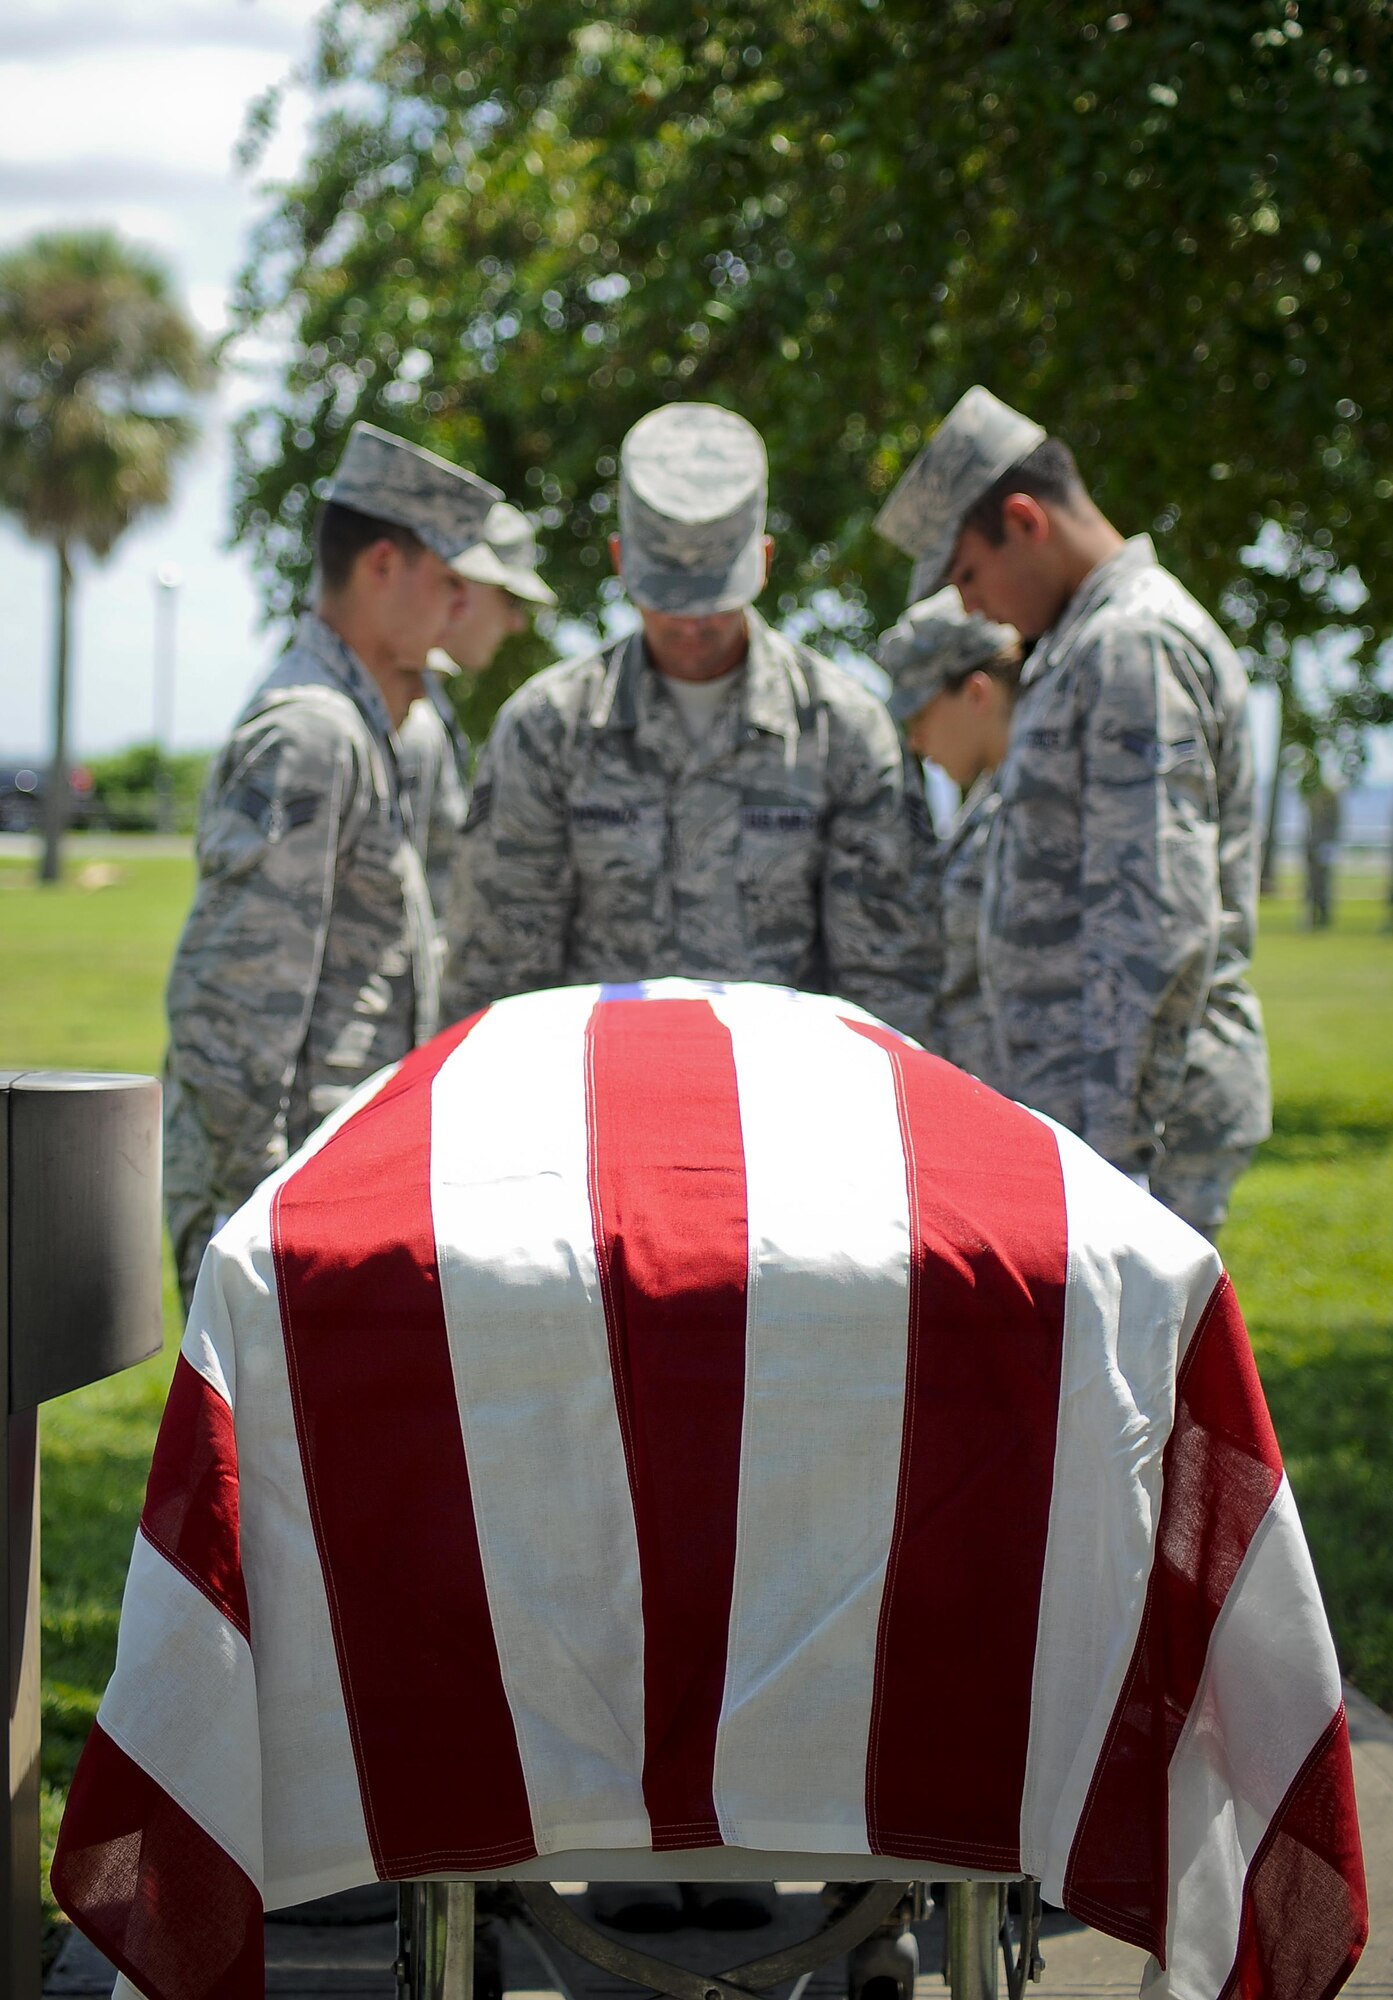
x=680, y=1415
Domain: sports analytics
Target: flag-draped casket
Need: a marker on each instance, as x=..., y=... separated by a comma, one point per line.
x=687, y=1415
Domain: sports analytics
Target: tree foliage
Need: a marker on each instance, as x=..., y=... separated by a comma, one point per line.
x=1167, y=232
x=96, y=359
x=97, y=362
x=127, y=787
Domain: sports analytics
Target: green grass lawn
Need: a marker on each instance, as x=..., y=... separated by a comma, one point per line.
x=1308, y=1244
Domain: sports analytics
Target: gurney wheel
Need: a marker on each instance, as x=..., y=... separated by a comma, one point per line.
x=885, y=1967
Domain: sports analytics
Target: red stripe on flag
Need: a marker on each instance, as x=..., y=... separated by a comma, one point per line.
x=389, y=1492
x=951, y=1716
x=1219, y=1476
x=169, y=1907
x=1305, y=1915
x=667, y=1178
x=191, y=1503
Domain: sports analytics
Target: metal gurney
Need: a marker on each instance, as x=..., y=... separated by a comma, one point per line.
x=446, y=1952
x=690, y=1418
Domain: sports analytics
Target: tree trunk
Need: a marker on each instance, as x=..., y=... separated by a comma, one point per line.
x=1267, y=880
x=56, y=783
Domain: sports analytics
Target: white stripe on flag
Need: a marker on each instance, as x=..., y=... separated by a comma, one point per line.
x=202, y=1749
x=1138, y=1281
x=1270, y=1686
x=824, y=1411
x=530, y=1353
x=315, y=1837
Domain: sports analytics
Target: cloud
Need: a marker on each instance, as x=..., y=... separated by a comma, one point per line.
x=67, y=27
x=179, y=108
x=208, y=304
x=109, y=180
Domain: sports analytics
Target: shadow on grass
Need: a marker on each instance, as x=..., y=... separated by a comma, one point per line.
x=1315, y=1128
x=1334, y=1416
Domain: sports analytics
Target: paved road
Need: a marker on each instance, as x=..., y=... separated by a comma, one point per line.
x=80, y=847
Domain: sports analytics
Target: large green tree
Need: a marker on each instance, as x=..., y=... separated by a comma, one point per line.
x=97, y=365
x=1165, y=229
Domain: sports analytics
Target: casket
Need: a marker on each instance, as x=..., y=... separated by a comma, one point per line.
x=679, y=1416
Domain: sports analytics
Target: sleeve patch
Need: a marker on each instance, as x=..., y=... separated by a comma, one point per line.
x=273, y=816
x=252, y=803
x=300, y=810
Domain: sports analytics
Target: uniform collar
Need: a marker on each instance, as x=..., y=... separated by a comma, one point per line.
x=974, y=803
x=769, y=694
x=1137, y=552
x=629, y=690
x=977, y=793
x=344, y=669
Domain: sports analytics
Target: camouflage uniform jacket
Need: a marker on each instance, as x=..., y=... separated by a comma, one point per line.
x=793, y=844
x=435, y=761
x=961, y=1030
x=310, y=957
x=1120, y=901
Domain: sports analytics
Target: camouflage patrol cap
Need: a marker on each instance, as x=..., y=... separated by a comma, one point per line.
x=382, y=475
x=935, y=645
x=980, y=438
x=507, y=556
x=693, y=480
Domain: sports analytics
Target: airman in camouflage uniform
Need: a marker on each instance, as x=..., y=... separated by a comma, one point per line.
x=1119, y=904
x=961, y=1028
x=932, y=655
x=434, y=761
x=311, y=956
x=706, y=796
x=501, y=583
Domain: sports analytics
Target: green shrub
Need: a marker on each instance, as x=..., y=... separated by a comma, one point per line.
x=126, y=787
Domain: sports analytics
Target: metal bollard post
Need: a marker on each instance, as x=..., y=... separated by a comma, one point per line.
x=972, y=1911
x=79, y=1299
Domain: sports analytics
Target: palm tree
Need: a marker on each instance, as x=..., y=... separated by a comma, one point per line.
x=98, y=365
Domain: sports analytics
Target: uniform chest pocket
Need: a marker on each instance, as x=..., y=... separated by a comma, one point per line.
x=613, y=840
x=780, y=848
x=1044, y=764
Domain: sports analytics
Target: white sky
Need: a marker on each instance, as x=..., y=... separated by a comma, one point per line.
x=126, y=112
